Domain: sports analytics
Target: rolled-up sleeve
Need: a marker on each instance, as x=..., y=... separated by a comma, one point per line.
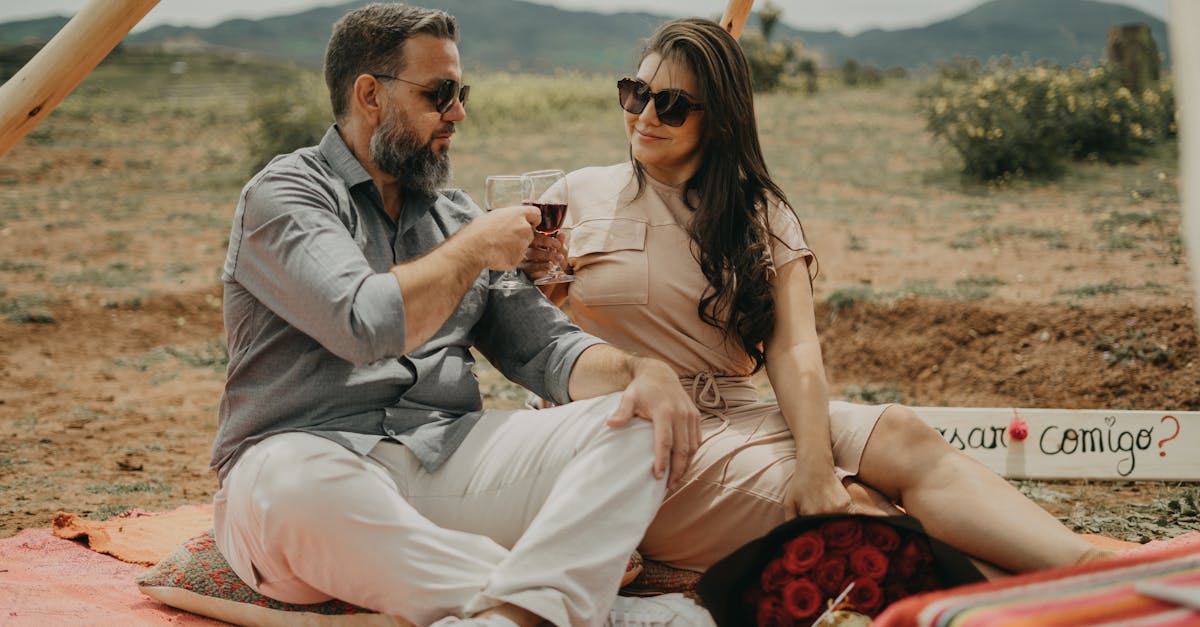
x=298, y=258
x=531, y=341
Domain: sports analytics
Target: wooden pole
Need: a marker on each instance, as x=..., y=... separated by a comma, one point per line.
x=1183, y=24
x=29, y=96
x=736, y=13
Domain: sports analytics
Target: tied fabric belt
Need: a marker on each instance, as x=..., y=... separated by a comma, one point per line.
x=716, y=393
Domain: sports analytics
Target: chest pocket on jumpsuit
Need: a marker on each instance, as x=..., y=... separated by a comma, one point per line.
x=609, y=260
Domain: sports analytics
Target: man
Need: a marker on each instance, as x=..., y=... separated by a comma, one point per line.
x=355, y=461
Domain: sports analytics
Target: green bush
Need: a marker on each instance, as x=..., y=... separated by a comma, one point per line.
x=292, y=116
x=776, y=64
x=960, y=68
x=769, y=61
x=855, y=74
x=1027, y=121
x=500, y=99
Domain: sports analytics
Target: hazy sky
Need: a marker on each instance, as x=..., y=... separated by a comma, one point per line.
x=849, y=16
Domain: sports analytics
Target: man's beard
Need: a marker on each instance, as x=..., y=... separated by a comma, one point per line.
x=398, y=152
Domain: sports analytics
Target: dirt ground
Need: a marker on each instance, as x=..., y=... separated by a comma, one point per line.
x=112, y=352
x=111, y=408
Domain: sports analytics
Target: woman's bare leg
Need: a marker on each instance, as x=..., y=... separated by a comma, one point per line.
x=962, y=502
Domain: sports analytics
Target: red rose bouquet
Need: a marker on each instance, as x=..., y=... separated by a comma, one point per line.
x=817, y=564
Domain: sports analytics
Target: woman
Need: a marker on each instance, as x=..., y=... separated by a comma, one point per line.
x=690, y=253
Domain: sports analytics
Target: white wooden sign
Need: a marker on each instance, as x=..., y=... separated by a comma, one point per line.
x=1075, y=444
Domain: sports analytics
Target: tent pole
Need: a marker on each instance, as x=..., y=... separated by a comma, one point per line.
x=29, y=96
x=1183, y=23
x=736, y=13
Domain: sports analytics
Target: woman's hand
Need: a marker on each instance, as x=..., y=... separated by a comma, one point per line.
x=810, y=493
x=806, y=495
x=544, y=251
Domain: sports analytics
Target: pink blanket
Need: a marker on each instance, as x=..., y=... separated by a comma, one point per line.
x=46, y=580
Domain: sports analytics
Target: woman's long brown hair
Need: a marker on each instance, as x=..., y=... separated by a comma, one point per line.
x=730, y=231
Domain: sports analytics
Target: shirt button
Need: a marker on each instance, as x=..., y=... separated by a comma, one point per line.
x=391, y=433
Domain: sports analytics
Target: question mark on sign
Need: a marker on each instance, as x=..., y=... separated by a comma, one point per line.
x=1173, y=435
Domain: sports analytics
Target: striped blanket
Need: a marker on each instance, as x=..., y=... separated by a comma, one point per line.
x=1099, y=593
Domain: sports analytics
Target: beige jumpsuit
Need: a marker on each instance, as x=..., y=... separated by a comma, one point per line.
x=637, y=285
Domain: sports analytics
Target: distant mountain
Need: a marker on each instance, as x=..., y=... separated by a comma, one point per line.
x=1062, y=31
x=496, y=34
x=35, y=31
x=523, y=36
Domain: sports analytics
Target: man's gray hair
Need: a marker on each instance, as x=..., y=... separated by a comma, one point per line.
x=370, y=40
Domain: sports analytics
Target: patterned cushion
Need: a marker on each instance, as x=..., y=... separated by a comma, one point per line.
x=657, y=578
x=195, y=577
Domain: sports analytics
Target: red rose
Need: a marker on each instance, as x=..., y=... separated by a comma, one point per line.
x=802, y=599
x=881, y=536
x=775, y=576
x=830, y=574
x=912, y=557
x=770, y=613
x=803, y=552
x=842, y=533
x=866, y=596
x=868, y=561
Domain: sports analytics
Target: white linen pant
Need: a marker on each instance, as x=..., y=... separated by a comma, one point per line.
x=540, y=509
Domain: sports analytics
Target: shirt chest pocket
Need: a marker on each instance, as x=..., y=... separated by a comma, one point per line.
x=609, y=261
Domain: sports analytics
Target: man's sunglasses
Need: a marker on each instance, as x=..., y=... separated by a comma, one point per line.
x=443, y=96
x=672, y=106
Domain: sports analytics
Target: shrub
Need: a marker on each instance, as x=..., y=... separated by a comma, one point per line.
x=1027, y=121
x=769, y=61
x=855, y=74
x=775, y=64
x=960, y=68
x=500, y=99
x=288, y=117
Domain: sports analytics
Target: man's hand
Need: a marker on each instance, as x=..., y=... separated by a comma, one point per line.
x=501, y=236
x=433, y=285
x=655, y=394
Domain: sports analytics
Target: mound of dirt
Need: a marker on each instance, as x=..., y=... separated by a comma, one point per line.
x=997, y=354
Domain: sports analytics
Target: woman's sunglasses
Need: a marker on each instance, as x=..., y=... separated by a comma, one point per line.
x=443, y=96
x=672, y=106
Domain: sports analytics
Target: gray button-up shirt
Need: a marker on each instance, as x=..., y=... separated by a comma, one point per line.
x=315, y=321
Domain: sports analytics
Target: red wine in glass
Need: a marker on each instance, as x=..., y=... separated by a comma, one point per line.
x=552, y=216
x=549, y=194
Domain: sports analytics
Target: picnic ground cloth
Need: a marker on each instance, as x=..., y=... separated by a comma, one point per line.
x=1106, y=592
x=46, y=578
x=136, y=536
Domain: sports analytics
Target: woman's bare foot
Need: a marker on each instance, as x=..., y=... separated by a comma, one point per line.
x=1096, y=553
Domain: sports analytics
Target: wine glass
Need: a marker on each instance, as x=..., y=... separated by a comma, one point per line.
x=548, y=192
x=505, y=190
